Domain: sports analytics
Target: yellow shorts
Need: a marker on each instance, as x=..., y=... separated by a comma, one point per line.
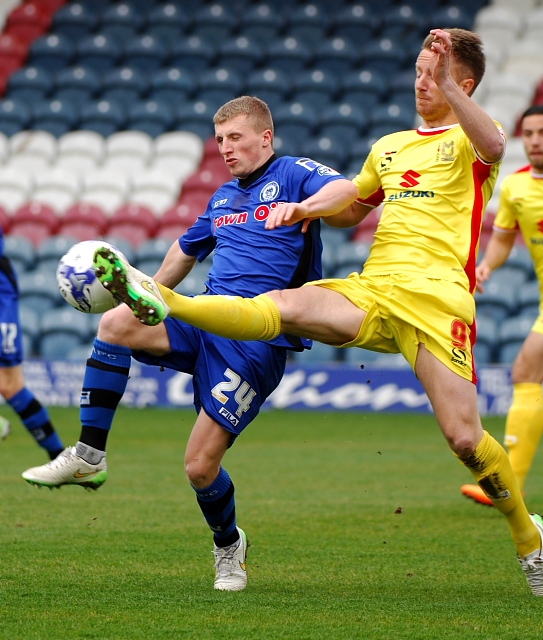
x=404, y=311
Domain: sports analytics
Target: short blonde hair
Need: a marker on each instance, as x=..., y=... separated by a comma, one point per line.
x=252, y=107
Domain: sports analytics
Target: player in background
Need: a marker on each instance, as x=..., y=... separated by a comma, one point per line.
x=415, y=295
x=13, y=388
x=521, y=208
x=231, y=379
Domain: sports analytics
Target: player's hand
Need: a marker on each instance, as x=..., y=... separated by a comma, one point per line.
x=286, y=213
x=482, y=274
x=441, y=48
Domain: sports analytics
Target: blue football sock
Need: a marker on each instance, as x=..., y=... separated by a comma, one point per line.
x=218, y=505
x=104, y=383
x=36, y=419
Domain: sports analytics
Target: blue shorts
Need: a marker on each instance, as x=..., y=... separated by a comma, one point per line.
x=11, y=336
x=231, y=379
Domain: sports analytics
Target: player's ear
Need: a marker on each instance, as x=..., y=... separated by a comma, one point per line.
x=267, y=138
x=467, y=85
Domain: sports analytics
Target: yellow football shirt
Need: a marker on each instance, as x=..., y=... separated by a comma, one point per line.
x=435, y=189
x=521, y=207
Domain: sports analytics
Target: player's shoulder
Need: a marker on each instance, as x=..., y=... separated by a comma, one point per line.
x=518, y=177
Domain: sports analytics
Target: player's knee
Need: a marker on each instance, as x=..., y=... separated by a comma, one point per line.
x=463, y=443
x=199, y=473
x=115, y=325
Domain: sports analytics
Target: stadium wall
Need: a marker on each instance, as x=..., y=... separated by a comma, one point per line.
x=58, y=383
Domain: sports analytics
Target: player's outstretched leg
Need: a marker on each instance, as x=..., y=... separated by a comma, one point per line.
x=68, y=468
x=230, y=565
x=131, y=286
x=532, y=564
x=475, y=492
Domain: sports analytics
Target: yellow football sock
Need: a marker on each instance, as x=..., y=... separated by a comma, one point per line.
x=228, y=316
x=524, y=427
x=491, y=468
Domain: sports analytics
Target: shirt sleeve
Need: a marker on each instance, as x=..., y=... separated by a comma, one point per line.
x=199, y=241
x=368, y=183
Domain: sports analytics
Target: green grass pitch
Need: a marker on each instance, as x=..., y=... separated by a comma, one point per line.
x=357, y=525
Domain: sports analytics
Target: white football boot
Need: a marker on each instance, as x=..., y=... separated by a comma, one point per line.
x=230, y=565
x=532, y=564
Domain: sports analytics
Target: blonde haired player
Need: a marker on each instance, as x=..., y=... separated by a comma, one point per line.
x=415, y=294
x=521, y=208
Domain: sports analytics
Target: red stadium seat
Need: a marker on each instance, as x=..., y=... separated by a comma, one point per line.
x=84, y=221
x=5, y=220
x=364, y=231
x=35, y=221
x=206, y=182
x=13, y=53
x=133, y=222
x=178, y=219
x=28, y=21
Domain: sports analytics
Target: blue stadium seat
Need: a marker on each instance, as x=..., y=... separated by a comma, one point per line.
x=359, y=152
x=151, y=116
x=174, y=85
x=167, y=22
x=402, y=21
x=15, y=115
x=510, y=273
x=50, y=251
x=194, y=283
x=21, y=252
x=220, y=85
x=326, y=149
x=390, y=118
x=55, y=116
x=30, y=84
x=242, y=54
x=145, y=53
x=30, y=326
x=195, y=54
x=499, y=300
x=296, y=121
x=77, y=84
x=99, y=52
x=262, y=22
x=352, y=256
x=365, y=88
x=102, y=116
x=62, y=330
x=357, y=23
x=196, y=116
x=487, y=340
x=152, y=250
x=345, y=121
x=384, y=56
x=121, y=21
x=290, y=55
x=452, y=16
x=51, y=52
x=271, y=85
x=402, y=88
x=308, y=23
x=512, y=333
x=75, y=21
x=529, y=297
x=337, y=55
x=214, y=22
x=39, y=290
x=521, y=259
x=318, y=85
x=124, y=85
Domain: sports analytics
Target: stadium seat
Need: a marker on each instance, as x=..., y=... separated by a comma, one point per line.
x=271, y=85
x=34, y=221
x=499, y=300
x=75, y=21
x=204, y=182
x=52, y=52
x=77, y=84
x=30, y=327
x=262, y=22
x=57, y=187
x=80, y=353
x=365, y=88
x=309, y=23
x=390, y=118
x=498, y=23
x=55, y=116
x=336, y=55
x=50, y=251
x=28, y=21
x=487, y=339
x=452, y=16
x=83, y=221
x=99, y=52
x=30, y=84
x=128, y=151
x=62, y=330
x=102, y=116
x=241, y=54
x=124, y=85
x=290, y=55
x=80, y=151
x=317, y=85
x=15, y=116
x=399, y=23
x=121, y=21
x=214, y=22
x=123, y=245
x=32, y=151
x=153, y=117
x=13, y=53
x=20, y=251
x=177, y=152
x=145, y=53
x=151, y=253
x=325, y=149
x=296, y=121
x=134, y=222
x=39, y=290
x=194, y=283
x=155, y=189
x=219, y=85
x=357, y=23
x=352, y=256
x=529, y=297
x=196, y=116
x=345, y=121
x=194, y=54
x=173, y=85
x=106, y=189
x=176, y=220
x=167, y=22
x=383, y=56
x=15, y=188
x=512, y=333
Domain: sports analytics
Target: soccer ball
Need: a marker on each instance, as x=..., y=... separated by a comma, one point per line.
x=77, y=282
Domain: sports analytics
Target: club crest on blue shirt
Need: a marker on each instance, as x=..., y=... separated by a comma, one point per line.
x=269, y=192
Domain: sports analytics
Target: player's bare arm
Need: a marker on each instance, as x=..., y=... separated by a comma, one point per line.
x=175, y=267
x=350, y=216
x=333, y=198
x=475, y=122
